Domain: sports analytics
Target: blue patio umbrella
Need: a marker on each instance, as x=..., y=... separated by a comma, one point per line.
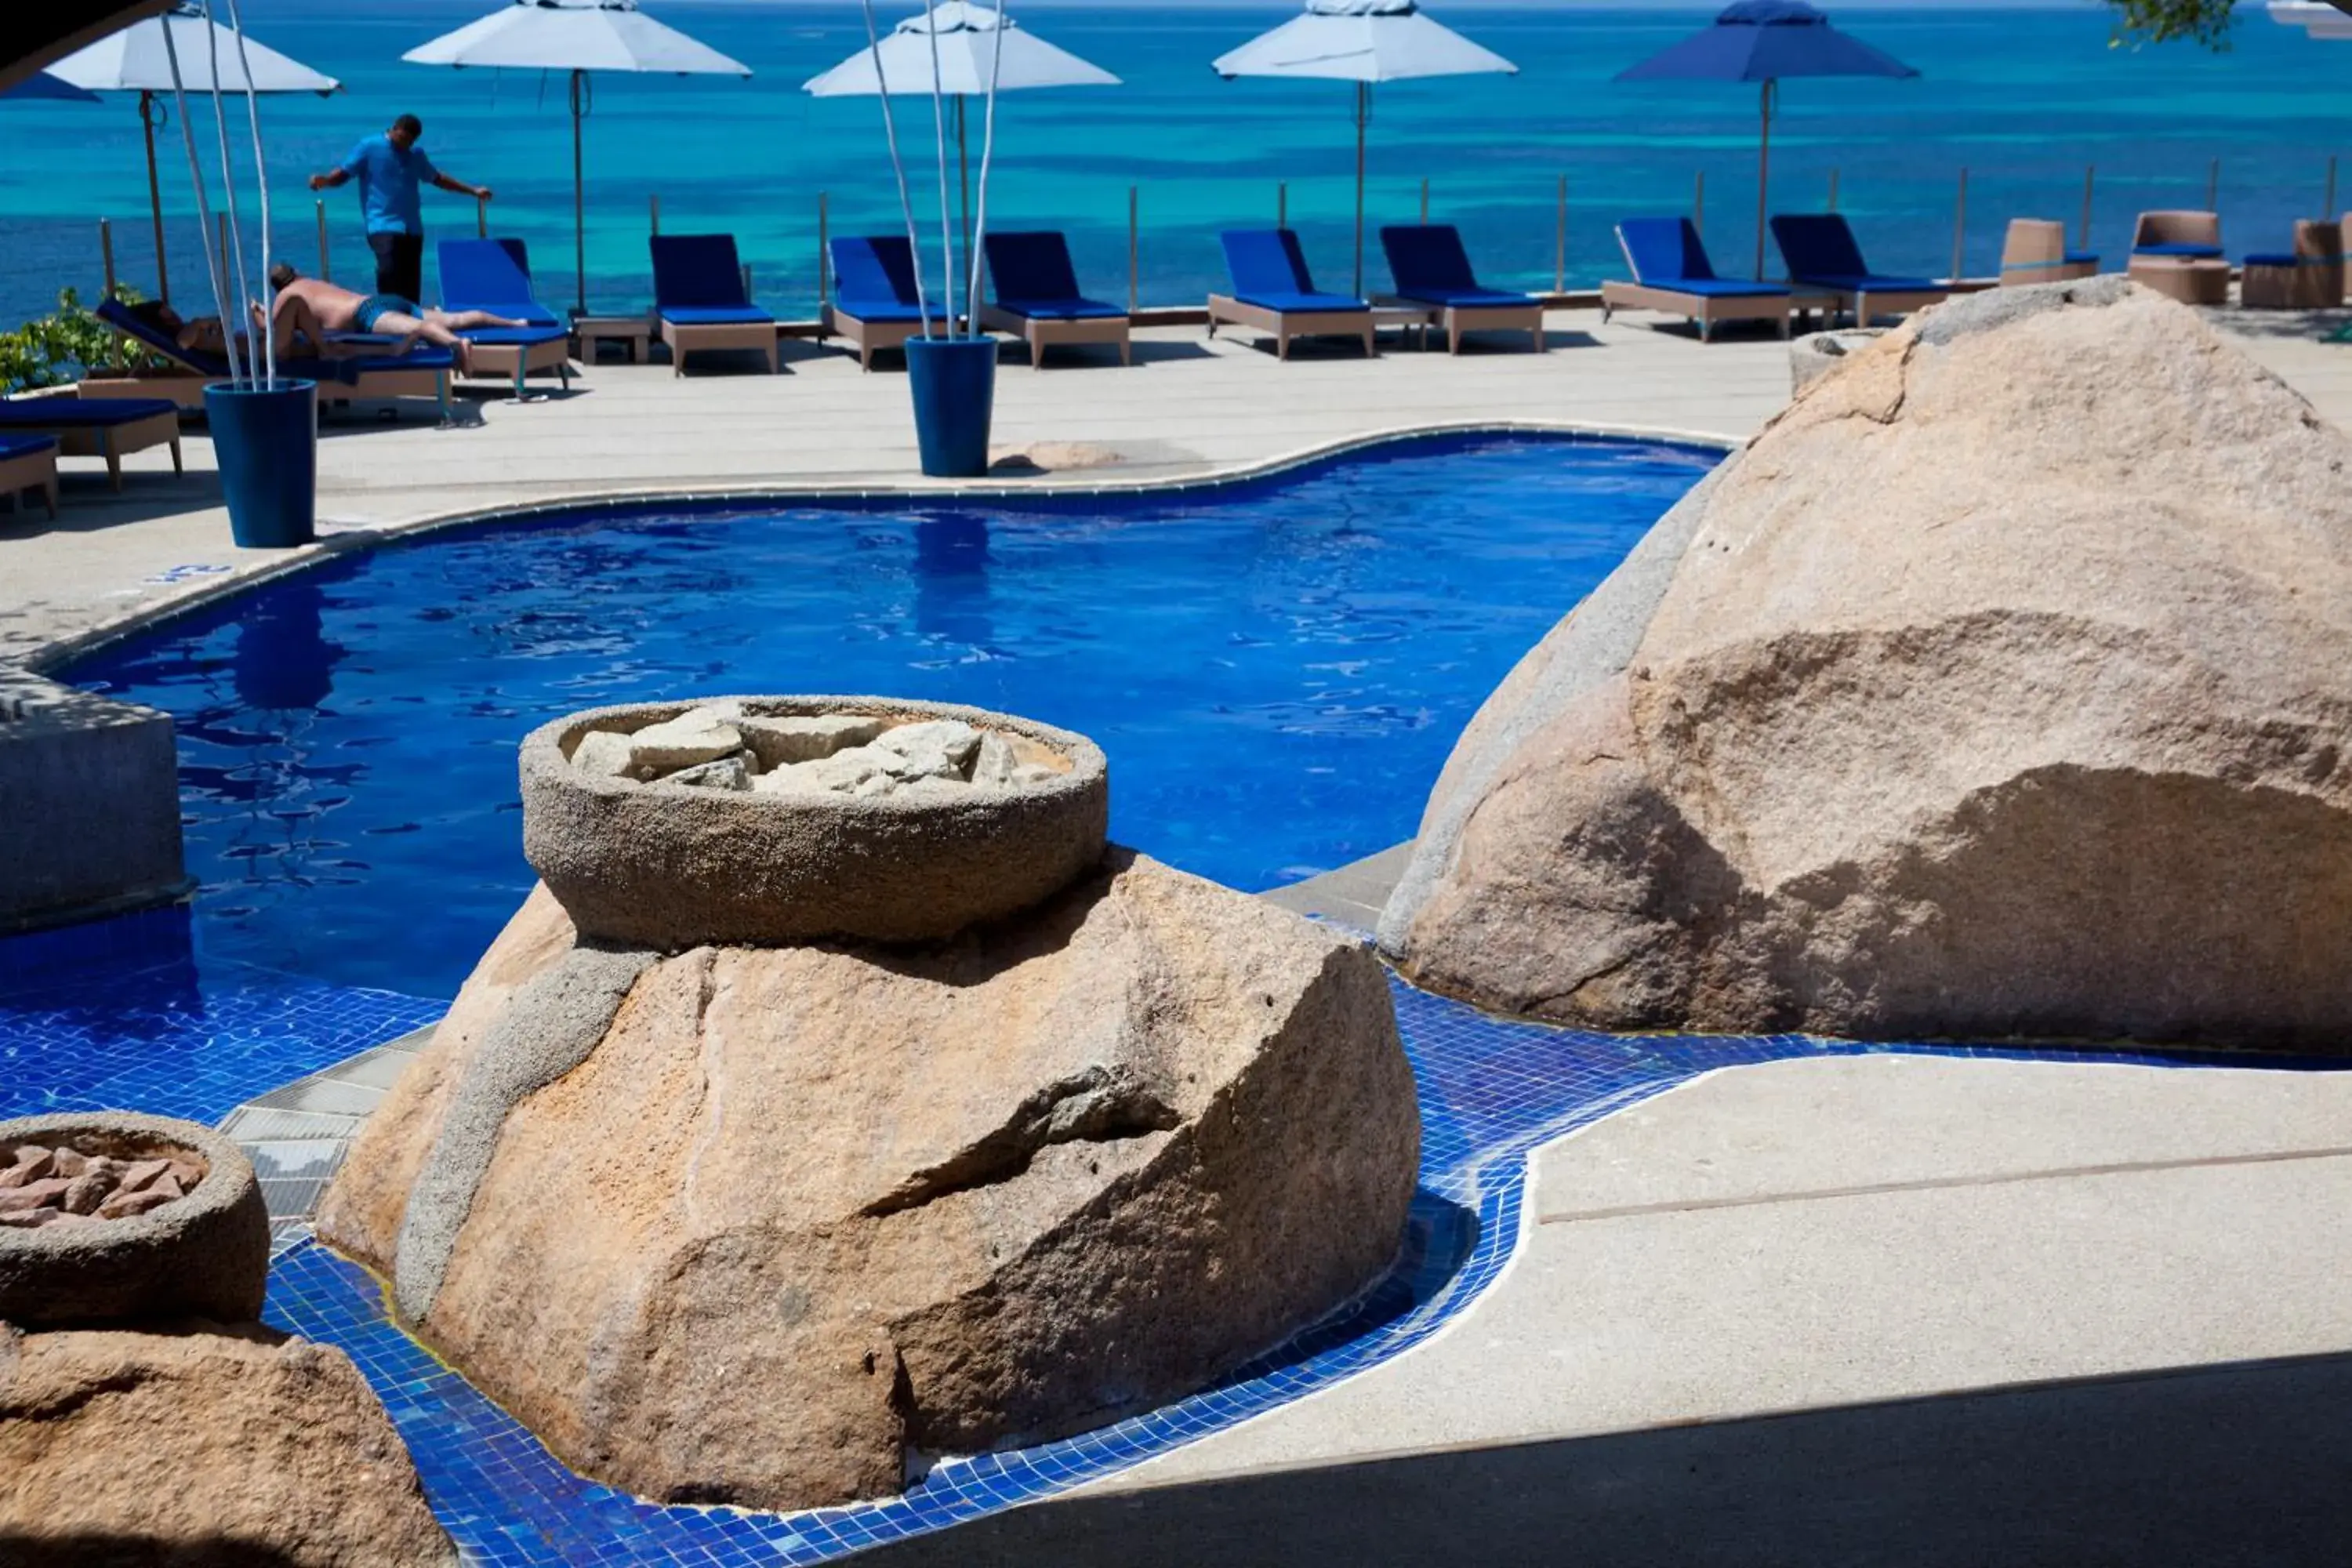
x=42, y=85
x=1763, y=41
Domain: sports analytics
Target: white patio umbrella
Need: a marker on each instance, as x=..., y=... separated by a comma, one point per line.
x=1362, y=41
x=579, y=36
x=965, y=36
x=2319, y=19
x=135, y=60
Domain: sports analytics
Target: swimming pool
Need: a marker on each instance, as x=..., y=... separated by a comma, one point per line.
x=1276, y=669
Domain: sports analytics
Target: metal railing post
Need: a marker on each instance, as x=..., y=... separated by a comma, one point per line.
x=1134, y=250
x=323, y=278
x=1424, y=202
x=2213, y=186
x=2329, y=205
x=481, y=217
x=1959, y=223
x=1282, y=205
x=106, y=254
x=823, y=259
x=1698, y=202
x=652, y=207
x=2082, y=235
x=1833, y=190
x=1560, y=241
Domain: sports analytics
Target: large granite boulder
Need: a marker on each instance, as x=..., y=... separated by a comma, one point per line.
x=200, y=1448
x=2002, y=686
x=754, y=1224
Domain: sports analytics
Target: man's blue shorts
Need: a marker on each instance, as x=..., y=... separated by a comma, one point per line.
x=373, y=307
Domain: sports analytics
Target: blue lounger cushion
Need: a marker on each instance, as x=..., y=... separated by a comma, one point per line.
x=1033, y=277
x=1062, y=309
x=81, y=413
x=1666, y=253
x=1286, y=304
x=715, y=315
x=873, y=277
x=492, y=275
x=12, y=446
x=698, y=274
x=876, y=310
x=2284, y=259
x=2192, y=249
x=115, y=314
x=1872, y=283
x=1466, y=298
x=1429, y=267
x=1820, y=251
x=1269, y=272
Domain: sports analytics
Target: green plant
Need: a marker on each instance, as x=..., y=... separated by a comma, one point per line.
x=2205, y=22
x=59, y=348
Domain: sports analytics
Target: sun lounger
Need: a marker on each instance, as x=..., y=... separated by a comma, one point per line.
x=2193, y=235
x=698, y=297
x=1431, y=268
x=1037, y=298
x=1273, y=293
x=1820, y=252
x=494, y=275
x=422, y=372
x=1671, y=273
x=29, y=462
x=2308, y=277
x=108, y=428
x=875, y=305
x=2034, y=251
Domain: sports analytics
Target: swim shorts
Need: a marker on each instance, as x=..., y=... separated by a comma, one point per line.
x=374, y=305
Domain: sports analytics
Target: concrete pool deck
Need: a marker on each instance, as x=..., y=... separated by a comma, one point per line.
x=1847, y=1309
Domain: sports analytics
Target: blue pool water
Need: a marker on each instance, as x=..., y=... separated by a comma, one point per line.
x=1276, y=670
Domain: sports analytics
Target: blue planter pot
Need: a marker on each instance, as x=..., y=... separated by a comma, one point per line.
x=954, y=383
x=267, y=444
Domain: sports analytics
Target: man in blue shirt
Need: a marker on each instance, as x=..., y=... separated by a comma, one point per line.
x=390, y=168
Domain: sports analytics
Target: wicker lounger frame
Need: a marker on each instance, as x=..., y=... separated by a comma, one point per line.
x=28, y=470
x=112, y=442
x=519, y=359
x=1285, y=325
x=1706, y=309
x=870, y=338
x=686, y=338
x=1041, y=332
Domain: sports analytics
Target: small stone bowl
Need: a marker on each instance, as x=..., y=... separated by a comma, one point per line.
x=203, y=1256
x=675, y=866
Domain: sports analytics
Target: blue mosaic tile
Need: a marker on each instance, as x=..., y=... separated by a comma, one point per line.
x=120, y=1014
x=123, y=1013
x=1491, y=1092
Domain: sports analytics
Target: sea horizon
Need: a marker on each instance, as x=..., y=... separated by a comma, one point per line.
x=2025, y=98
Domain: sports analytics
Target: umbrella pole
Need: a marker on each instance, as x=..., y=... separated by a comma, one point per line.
x=1363, y=117
x=1763, y=176
x=154, y=195
x=578, y=208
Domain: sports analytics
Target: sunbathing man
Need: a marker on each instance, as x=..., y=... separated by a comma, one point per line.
x=298, y=333
x=313, y=305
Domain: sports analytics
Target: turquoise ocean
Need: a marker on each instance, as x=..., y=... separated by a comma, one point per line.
x=2024, y=100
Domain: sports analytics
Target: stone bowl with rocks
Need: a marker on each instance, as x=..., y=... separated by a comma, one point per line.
x=764, y=820
x=107, y=1217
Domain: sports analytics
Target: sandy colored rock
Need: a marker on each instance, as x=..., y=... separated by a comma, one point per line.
x=201, y=1448
x=823, y=1202
x=2000, y=687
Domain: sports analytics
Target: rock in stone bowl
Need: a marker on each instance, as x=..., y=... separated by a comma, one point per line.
x=765, y=820
x=86, y=1242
